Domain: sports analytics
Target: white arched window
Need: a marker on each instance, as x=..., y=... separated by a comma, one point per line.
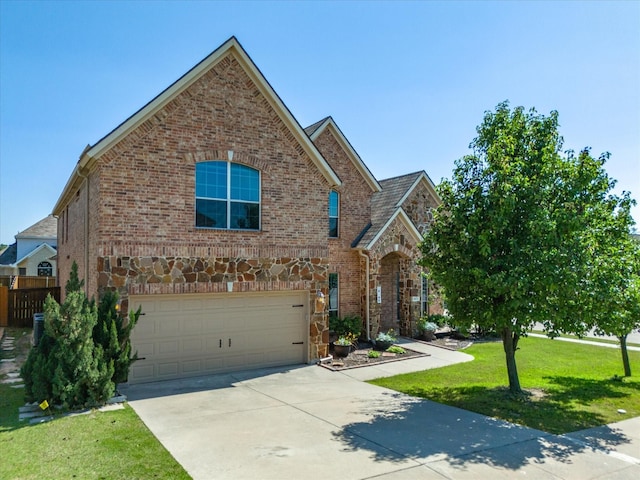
x=45, y=269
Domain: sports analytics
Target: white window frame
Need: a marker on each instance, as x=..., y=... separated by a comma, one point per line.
x=337, y=216
x=229, y=201
x=334, y=309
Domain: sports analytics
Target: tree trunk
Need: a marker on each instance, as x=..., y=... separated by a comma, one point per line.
x=510, y=344
x=625, y=355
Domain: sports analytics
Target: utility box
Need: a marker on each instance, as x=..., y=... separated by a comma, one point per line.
x=38, y=327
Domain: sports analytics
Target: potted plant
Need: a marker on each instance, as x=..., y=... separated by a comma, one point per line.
x=430, y=331
x=426, y=328
x=342, y=346
x=385, y=340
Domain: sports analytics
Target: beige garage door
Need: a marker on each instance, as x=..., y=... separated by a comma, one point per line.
x=188, y=335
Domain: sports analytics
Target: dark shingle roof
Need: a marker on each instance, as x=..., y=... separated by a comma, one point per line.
x=310, y=130
x=10, y=254
x=385, y=203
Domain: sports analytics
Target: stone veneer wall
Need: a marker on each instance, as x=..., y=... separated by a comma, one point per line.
x=408, y=254
x=143, y=274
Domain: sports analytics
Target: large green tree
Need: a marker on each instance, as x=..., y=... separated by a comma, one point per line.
x=616, y=283
x=508, y=243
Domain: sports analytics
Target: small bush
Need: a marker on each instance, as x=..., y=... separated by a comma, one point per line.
x=345, y=340
x=348, y=325
x=373, y=354
x=388, y=337
x=396, y=349
x=425, y=325
x=439, y=319
x=384, y=340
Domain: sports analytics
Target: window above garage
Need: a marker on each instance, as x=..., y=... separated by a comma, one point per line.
x=227, y=196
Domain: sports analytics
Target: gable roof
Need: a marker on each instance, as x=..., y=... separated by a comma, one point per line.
x=45, y=228
x=231, y=46
x=386, y=206
x=32, y=253
x=327, y=123
x=9, y=255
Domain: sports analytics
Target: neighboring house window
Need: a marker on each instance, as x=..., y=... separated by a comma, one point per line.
x=334, y=202
x=45, y=269
x=22, y=271
x=424, y=296
x=227, y=196
x=333, y=295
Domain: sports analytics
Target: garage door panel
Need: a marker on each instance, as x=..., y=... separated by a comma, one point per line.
x=192, y=326
x=193, y=345
x=171, y=327
x=188, y=335
x=168, y=369
x=192, y=366
x=169, y=347
x=167, y=306
x=140, y=370
x=144, y=349
x=145, y=328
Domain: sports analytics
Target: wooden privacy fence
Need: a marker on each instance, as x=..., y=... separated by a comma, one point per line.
x=22, y=304
x=23, y=281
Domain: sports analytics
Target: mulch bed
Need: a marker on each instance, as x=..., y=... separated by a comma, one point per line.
x=359, y=356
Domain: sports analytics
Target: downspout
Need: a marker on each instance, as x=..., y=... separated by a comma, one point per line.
x=367, y=293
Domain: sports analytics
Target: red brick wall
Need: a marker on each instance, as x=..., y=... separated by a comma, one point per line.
x=148, y=180
x=355, y=214
x=142, y=193
x=71, y=237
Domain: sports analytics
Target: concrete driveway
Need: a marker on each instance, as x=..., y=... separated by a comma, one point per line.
x=311, y=423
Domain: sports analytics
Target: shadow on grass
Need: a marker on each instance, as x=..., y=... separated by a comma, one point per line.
x=10, y=400
x=586, y=390
x=401, y=427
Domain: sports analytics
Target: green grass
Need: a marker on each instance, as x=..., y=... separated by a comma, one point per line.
x=98, y=445
x=571, y=386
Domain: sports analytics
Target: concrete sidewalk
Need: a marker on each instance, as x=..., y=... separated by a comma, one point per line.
x=313, y=423
x=586, y=341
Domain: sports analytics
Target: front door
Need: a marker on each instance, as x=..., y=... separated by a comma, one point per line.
x=390, y=311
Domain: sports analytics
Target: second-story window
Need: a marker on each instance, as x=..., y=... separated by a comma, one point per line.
x=334, y=213
x=227, y=196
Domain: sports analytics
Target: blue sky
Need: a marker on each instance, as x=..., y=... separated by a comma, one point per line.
x=407, y=82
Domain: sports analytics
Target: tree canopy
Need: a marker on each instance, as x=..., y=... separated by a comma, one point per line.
x=511, y=242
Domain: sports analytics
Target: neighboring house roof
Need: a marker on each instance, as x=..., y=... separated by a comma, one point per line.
x=45, y=246
x=45, y=228
x=9, y=255
x=92, y=153
x=328, y=123
x=386, y=206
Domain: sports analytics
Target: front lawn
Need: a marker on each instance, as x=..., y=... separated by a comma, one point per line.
x=99, y=445
x=571, y=386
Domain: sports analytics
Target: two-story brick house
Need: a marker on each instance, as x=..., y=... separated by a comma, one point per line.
x=217, y=213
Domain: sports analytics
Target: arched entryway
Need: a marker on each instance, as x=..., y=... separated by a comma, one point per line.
x=391, y=293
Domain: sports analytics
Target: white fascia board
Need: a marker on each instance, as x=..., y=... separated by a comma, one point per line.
x=423, y=177
x=404, y=218
x=348, y=148
x=34, y=251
